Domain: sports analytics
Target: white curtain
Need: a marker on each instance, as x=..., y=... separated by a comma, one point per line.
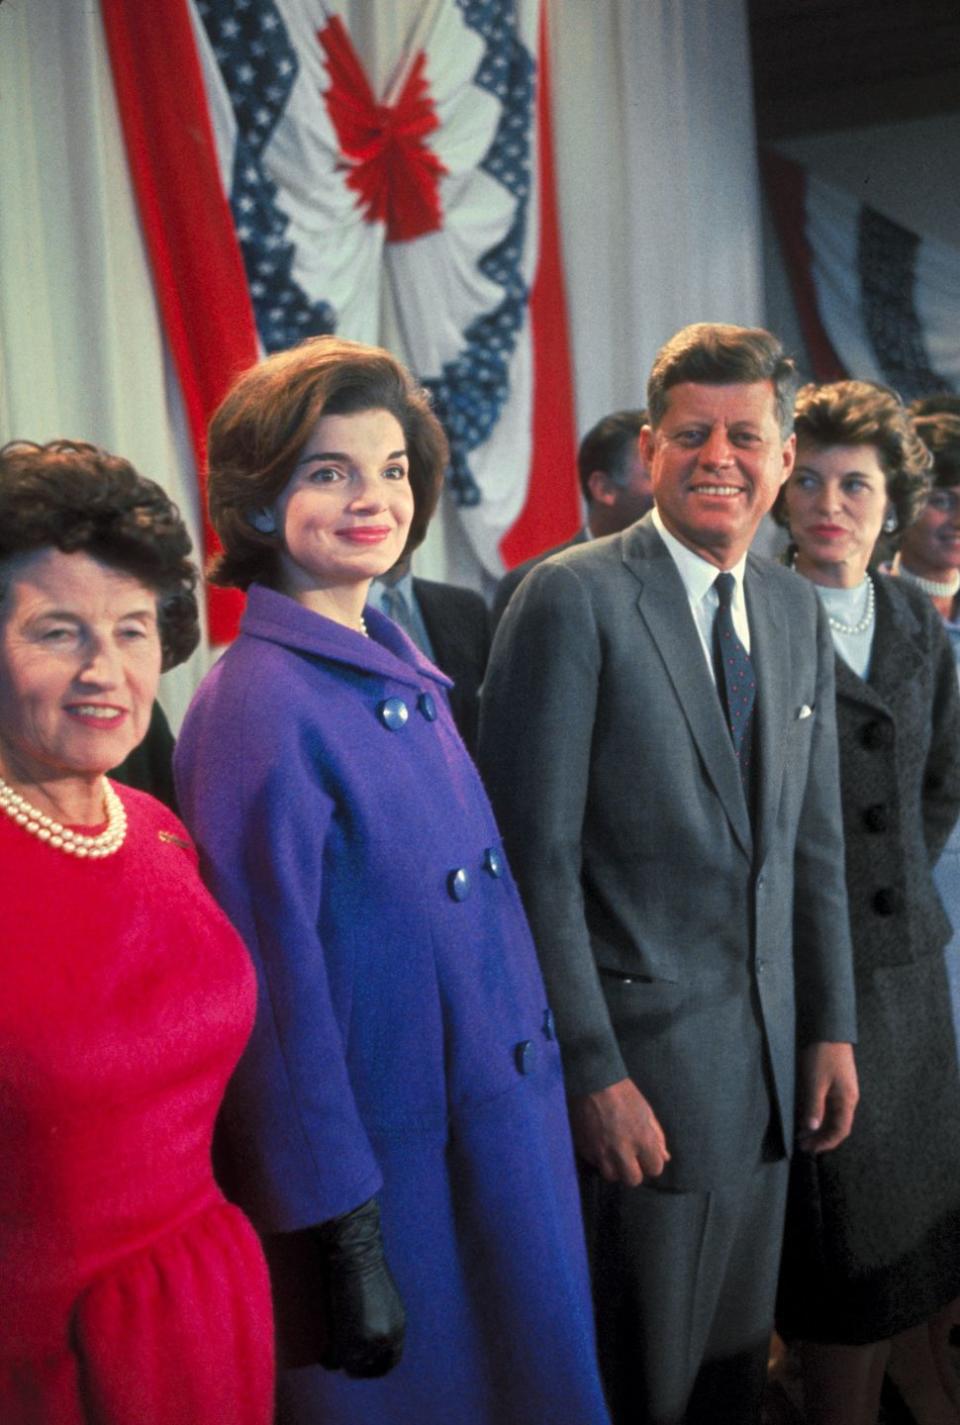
x=657, y=194
x=81, y=350
x=658, y=190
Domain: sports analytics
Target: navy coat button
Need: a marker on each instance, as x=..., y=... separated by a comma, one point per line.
x=393, y=713
x=875, y=818
x=427, y=706
x=493, y=861
x=458, y=884
x=885, y=901
x=549, y=1025
x=523, y=1056
x=876, y=735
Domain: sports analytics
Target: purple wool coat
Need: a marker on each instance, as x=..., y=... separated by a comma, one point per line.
x=403, y=1044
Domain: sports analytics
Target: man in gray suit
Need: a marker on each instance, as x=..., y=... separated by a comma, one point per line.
x=616, y=489
x=660, y=746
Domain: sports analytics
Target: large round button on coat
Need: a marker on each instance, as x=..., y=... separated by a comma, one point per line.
x=549, y=1026
x=393, y=713
x=493, y=861
x=458, y=884
x=876, y=735
x=427, y=706
x=523, y=1056
x=885, y=901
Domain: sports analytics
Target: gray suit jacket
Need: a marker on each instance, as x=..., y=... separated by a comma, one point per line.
x=514, y=577
x=679, y=946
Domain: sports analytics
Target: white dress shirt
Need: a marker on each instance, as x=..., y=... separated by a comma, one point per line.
x=698, y=579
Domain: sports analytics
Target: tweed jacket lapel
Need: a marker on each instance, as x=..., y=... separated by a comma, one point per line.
x=770, y=655
x=895, y=658
x=663, y=606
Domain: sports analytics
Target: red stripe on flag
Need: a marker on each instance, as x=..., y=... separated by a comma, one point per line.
x=786, y=186
x=197, y=266
x=552, y=512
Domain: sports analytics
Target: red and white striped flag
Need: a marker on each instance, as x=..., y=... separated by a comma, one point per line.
x=875, y=301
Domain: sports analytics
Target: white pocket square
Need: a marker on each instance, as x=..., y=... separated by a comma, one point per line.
x=805, y=711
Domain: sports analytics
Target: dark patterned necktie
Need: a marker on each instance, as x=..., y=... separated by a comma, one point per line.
x=736, y=680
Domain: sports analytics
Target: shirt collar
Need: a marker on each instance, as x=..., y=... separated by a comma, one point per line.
x=403, y=585
x=698, y=574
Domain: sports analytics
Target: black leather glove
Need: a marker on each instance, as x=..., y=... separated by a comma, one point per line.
x=365, y=1321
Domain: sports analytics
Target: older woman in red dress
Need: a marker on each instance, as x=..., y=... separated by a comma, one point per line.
x=131, y=1293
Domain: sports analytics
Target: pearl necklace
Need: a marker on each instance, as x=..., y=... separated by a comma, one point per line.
x=363, y=627
x=862, y=625
x=74, y=843
x=932, y=587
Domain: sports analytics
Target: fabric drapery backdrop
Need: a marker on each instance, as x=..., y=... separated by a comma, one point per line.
x=300, y=186
x=874, y=300
x=656, y=197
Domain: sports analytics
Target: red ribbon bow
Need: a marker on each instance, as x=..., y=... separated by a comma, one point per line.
x=391, y=168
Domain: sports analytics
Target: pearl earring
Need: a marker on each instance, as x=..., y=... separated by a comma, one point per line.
x=263, y=521
x=890, y=523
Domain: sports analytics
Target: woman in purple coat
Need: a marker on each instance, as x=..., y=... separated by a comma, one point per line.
x=397, y=1128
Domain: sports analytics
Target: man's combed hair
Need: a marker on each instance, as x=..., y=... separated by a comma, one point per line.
x=610, y=446
x=73, y=496
x=258, y=433
x=712, y=354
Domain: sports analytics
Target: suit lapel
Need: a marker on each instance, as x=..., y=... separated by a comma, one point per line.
x=665, y=609
x=895, y=658
x=770, y=654
x=432, y=612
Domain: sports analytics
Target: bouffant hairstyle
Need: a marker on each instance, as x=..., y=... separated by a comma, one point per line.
x=866, y=413
x=73, y=496
x=941, y=403
x=610, y=446
x=713, y=354
x=258, y=433
x=941, y=435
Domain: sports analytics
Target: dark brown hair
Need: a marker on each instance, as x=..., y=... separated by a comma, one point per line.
x=259, y=431
x=941, y=435
x=866, y=413
x=610, y=446
x=941, y=403
x=713, y=354
x=75, y=497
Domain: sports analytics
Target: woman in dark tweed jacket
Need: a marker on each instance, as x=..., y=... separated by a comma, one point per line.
x=872, y=1247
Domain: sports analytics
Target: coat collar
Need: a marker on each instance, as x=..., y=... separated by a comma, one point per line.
x=388, y=651
x=663, y=606
x=895, y=658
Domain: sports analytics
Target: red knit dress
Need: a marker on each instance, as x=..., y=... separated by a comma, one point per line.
x=131, y=1292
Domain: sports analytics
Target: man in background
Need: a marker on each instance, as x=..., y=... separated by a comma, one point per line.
x=615, y=483
x=451, y=626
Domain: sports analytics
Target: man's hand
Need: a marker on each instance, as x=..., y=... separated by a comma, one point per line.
x=827, y=1095
x=617, y=1132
